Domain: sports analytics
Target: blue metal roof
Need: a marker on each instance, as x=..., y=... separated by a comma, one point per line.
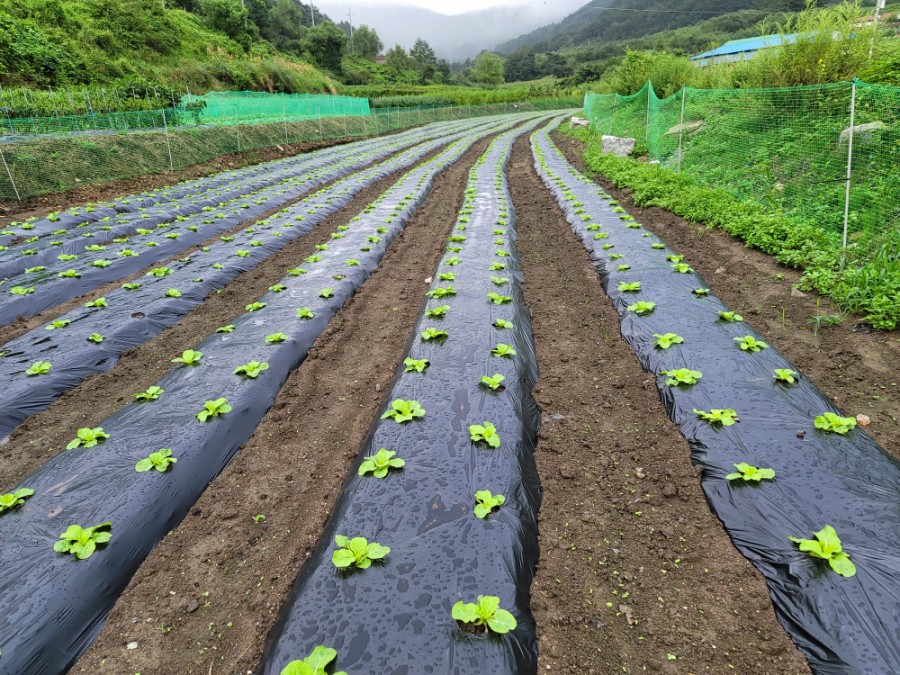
x=746, y=45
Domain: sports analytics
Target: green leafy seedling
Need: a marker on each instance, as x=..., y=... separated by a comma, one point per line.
x=296, y=271
x=21, y=290
x=642, y=307
x=87, y=438
x=499, y=281
x=276, y=338
x=437, y=312
x=38, y=368
x=189, y=357
x=160, y=460
x=503, y=323
x=252, y=369
x=402, y=411
x=305, y=313
x=785, y=375
x=441, y=292
x=484, y=615
x=486, y=503
x=730, y=317
x=255, y=306
x=149, y=394
x=666, y=340
x=131, y=286
x=326, y=293
x=434, y=334
x=159, y=272
x=827, y=546
x=503, y=351
x=701, y=292
x=173, y=293
x=682, y=268
x=485, y=433
x=749, y=344
x=673, y=258
x=82, y=542
x=630, y=287
x=623, y=268
x=497, y=266
x=314, y=664
x=829, y=421
x=229, y=328
x=213, y=409
x=14, y=500
x=380, y=463
x=498, y=299
x=99, y=302
x=749, y=473
x=357, y=552
x=57, y=323
x=681, y=376
x=492, y=382
x=725, y=417
x=415, y=365
x=657, y=246
x=277, y=288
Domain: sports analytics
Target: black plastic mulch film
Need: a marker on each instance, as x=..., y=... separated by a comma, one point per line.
x=842, y=625
x=51, y=280
x=133, y=316
x=54, y=605
x=395, y=617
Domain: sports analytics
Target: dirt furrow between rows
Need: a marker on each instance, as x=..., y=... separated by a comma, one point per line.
x=635, y=573
x=853, y=364
x=39, y=438
x=208, y=595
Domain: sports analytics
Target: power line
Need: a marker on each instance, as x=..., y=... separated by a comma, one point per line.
x=652, y=11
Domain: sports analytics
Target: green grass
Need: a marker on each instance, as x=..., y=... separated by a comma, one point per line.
x=868, y=285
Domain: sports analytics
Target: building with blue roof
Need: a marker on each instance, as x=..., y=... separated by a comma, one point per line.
x=741, y=50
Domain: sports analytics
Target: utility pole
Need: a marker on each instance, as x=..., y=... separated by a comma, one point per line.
x=350, y=14
x=879, y=5
x=312, y=14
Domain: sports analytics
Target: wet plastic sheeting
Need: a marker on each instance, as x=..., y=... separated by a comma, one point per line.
x=395, y=617
x=842, y=625
x=148, y=249
x=135, y=316
x=53, y=605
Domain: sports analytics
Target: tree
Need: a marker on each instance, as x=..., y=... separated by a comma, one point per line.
x=284, y=26
x=227, y=16
x=488, y=69
x=366, y=42
x=555, y=64
x=325, y=44
x=398, y=59
x=521, y=65
x=423, y=54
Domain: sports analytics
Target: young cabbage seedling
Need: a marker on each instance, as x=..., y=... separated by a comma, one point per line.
x=726, y=417
x=674, y=258
x=305, y=313
x=496, y=267
x=159, y=272
x=357, y=552
x=87, y=438
x=503, y=323
x=437, y=312
x=682, y=268
x=226, y=329
x=150, y=394
x=835, y=423
x=39, y=368
x=403, y=411
x=99, y=302
x=493, y=382
x=623, y=268
x=827, y=546
x=314, y=664
x=503, y=351
x=749, y=473
x=657, y=246
x=251, y=370
x=498, y=299
x=701, y=292
x=173, y=293
x=58, y=323
x=380, y=463
x=749, y=344
x=441, y=292
x=666, y=340
x=277, y=288
x=499, y=281
x=189, y=357
x=296, y=271
x=160, y=460
x=14, y=500
x=484, y=615
x=642, y=307
x=415, y=365
x=276, y=338
x=730, y=317
x=486, y=503
x=82, y=542
x=681, y=376
x=485, y=433
x=21, y=290
x=213, y=409
x=447, y=276
x=785, y=375
x=630, y=287
x=434, y=334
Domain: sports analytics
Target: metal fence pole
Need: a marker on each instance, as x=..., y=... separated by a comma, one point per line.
x=284, y=119
x=168, y=142
x=681, y=129
x=9, y=173
x=849, y=163
x=612, y=120
x=647, y=128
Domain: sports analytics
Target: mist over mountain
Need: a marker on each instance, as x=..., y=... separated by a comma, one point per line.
x=454, y=37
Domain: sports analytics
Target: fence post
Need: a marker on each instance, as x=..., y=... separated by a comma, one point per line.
x=647, y=128
x=168, y=143
x=612, y=120
x=681, y=130
x=284, y=119
x=237, y=127
x=9, y=173
x=849, y=163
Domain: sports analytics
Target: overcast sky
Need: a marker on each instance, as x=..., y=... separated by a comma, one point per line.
x=455, y=28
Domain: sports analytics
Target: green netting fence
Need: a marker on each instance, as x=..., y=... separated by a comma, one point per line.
x=828, y=155
x=53, y=154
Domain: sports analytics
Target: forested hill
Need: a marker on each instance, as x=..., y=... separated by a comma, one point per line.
x=617, y=20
